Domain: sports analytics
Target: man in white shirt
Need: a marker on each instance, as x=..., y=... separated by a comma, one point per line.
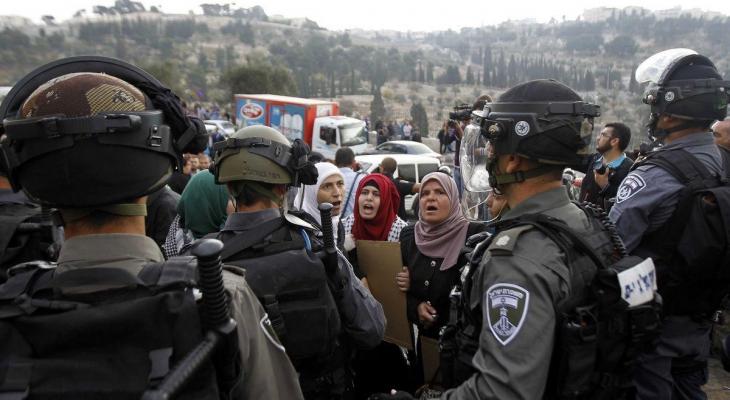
x=345, y=161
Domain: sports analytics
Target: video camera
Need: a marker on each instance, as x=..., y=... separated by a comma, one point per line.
x=462, y=112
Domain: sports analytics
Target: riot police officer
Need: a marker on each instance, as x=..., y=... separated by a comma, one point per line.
x=686, y=95
x=317, y=306
x=93, y=136
x=519, y=281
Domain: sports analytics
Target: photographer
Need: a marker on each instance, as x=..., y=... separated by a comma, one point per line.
x=608, y=167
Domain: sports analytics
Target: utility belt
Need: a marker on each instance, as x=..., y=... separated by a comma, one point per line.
x=330, y=384
x=458, y=342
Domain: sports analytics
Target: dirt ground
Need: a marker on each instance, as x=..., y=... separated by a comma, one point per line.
x=718, y=387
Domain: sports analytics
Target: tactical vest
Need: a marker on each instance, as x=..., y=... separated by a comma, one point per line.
x=597, y=335
x=26, y=234
x=691, y=249
x=99, y=333
x=285, y=272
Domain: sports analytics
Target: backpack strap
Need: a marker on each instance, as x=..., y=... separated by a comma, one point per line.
x=234, y=244
x=176, y=271
x=13, y=216
x=352, y=187
x=684, y=167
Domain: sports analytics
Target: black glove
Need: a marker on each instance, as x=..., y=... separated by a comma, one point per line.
x=476, y=238
x=394, y=395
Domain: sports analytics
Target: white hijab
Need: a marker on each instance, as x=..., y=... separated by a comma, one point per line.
x=310, y=204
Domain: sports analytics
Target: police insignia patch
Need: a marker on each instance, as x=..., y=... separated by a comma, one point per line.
x=631, y=185
x=269, y=332
x=506, y=310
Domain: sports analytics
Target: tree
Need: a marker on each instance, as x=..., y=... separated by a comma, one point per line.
x=420, y=118
x=469, y=76
x=429, y=72
x=259, y=78
x=377, y=107
x=621, y=46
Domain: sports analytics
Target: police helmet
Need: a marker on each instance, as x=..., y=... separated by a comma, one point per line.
x=542, y=120
x=684, y=84
x=262, y=154
x=93, y=132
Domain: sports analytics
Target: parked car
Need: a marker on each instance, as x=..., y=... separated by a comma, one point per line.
x=411, y=168
x=406, y=147
x=225, y=127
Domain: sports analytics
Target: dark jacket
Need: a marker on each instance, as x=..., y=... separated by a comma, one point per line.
x=592, y=193
x=428, y=282
x=161, y=210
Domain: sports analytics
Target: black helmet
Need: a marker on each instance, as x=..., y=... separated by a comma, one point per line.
x=542, y=120
x=91, y=132
x=682, y=84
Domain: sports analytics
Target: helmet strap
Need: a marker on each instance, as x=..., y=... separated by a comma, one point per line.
x=498, y=180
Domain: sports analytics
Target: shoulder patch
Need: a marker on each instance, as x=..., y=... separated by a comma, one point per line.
x=631, y=185
x=268, y=329
x=506, y=309
x=506, y=240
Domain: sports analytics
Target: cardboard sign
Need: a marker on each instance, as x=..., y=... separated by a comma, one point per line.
x=431, y=360
x=381, y=261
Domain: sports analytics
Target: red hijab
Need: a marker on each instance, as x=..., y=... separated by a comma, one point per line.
x=378, y=227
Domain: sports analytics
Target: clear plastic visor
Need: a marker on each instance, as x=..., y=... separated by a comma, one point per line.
x=473, y=156
x=653, y=68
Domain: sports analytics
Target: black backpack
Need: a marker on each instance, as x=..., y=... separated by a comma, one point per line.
x=290, y=282
x=26, y=234
x=99, y=333
x=692, y=249
x=597, y=335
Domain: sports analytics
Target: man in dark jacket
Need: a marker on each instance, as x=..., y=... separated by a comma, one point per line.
x=608, y=167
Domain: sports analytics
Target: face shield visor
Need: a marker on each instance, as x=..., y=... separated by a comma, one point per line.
x=473, y=156
x=655, y=68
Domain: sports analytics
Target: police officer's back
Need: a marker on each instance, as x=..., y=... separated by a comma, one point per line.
x=94, y=146
x=318, y=311
x=686, y=94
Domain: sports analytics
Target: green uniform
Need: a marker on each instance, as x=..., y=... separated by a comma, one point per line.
x=267, y=371
x=520, y=280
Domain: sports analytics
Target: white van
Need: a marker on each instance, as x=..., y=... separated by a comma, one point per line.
x=411, y=168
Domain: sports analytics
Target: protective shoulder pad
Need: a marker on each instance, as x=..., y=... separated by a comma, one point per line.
x=506, y=240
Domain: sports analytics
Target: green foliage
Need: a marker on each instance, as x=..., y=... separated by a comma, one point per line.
x=180, y=29
x=584, y=43
x=377, y=107
x=450, y=77
x=249, y=79
x=167, y=73
x=243, y=31
x=621, y=46
x=420, y=118
x=13, y=39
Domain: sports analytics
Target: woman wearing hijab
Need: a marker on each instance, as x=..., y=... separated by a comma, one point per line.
x=375, y=215
x=375, y=218
x=431, y=252
x=330, y=188
x=202, y=209
x=432, y=257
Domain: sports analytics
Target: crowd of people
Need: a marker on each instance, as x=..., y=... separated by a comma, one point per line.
x=394, y=130
x=539, y=298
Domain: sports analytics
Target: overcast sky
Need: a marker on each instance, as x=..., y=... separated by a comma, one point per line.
x=375, y=14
